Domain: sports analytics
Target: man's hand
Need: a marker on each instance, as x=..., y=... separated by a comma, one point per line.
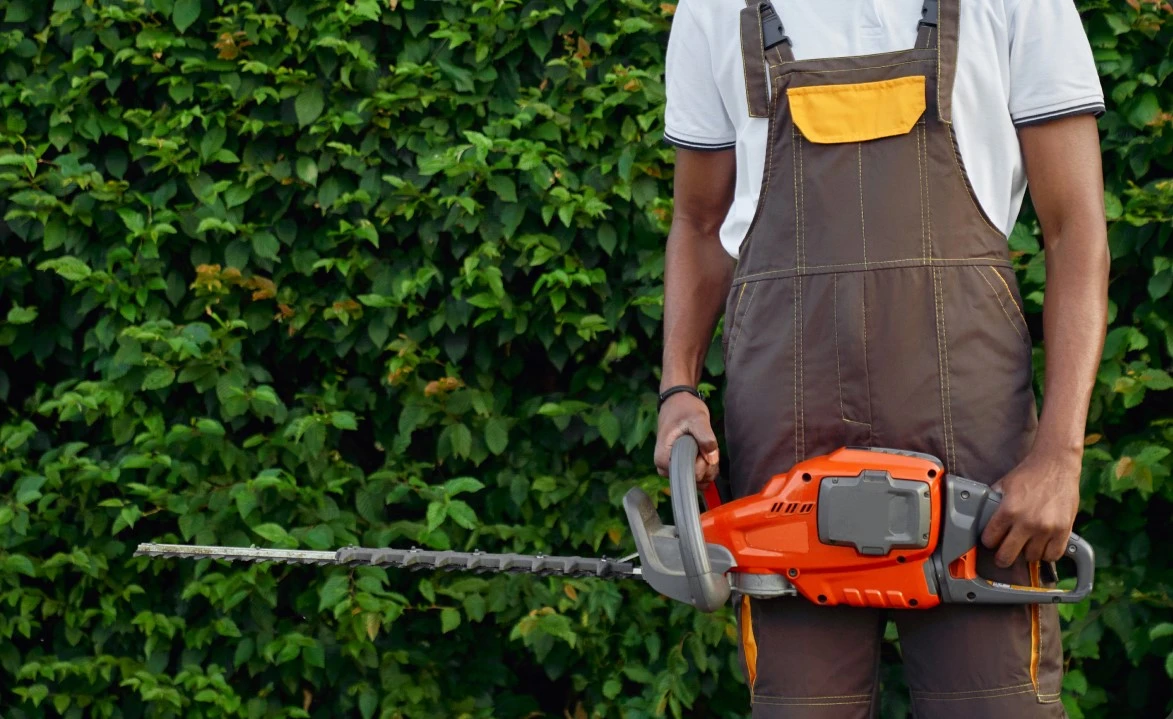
x=685, y=414
x=1039, y=500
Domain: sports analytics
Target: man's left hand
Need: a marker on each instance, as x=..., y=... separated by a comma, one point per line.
x=1040, y=498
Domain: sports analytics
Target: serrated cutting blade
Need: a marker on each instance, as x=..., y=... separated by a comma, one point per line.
x=412, y=559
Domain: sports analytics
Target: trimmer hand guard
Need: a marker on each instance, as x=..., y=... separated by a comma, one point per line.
x=677, y=562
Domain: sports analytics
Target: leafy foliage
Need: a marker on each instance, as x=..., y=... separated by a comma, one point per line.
x=388, y=272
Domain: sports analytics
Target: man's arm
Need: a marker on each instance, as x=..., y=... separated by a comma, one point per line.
x=1041, y=495
x=697, y=275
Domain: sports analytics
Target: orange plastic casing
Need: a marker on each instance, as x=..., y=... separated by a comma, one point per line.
x=776, y=532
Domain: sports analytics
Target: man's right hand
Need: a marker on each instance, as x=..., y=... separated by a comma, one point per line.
x=685, y=414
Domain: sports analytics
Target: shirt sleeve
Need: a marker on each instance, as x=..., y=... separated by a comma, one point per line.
x=694, y=114
x=1052, y=73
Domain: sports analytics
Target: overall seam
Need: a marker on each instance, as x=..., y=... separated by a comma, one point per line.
x=1002, y=305
x=848, y=69
x=816, y=703
x=972, y=697
x=950, y=447
x=941, y=367
x=969, y=692
x=1010, y=294
x=877, y=265
x=835, y=325
x=797, y=212
x=863, y=233
x=801, y=205
x=800, y=389
x=779, y=697
x=920, y=168
x=867, y=377
x=740, y=321
x=733, y=327
x=762, y=58
x=745, y=60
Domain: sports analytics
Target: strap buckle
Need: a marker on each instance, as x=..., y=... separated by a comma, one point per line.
x=929, y=13
x=772, y=31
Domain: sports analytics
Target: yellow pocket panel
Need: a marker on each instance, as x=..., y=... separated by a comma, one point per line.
x=858, y=112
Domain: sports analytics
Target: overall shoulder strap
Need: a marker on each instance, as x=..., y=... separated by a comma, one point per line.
x=939, y=26
x=763, y=44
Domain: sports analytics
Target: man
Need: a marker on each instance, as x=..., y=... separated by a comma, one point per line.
x=846, y=179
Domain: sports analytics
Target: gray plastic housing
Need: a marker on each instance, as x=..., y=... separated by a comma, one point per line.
x=874, y=512
x=969, y=505
x=675, y=559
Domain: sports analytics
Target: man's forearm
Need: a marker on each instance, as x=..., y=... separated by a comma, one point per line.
x=1074, y=321
x=697, y=275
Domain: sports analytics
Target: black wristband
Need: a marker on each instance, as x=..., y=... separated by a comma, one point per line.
x=677, y=389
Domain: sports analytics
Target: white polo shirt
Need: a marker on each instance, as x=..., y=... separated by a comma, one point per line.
x=1019, y=62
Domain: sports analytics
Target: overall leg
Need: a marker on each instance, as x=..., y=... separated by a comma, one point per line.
x=803, y=661
x=986, y=662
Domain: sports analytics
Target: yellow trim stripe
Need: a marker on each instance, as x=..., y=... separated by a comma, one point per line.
x=749, y=643
x=1035, y=630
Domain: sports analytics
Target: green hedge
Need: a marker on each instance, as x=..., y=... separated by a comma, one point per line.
x=389, y=272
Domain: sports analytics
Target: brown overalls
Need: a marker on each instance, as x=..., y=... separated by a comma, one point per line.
x=875, y=304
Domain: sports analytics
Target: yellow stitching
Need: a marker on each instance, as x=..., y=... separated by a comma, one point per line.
x=921, y=154
x=1002, y=305
x=779, y=697
x=797, y=214
x=794, y=334
x=971, y=698
x=741, y=320
x=866, y=374
x=802, y=205
x=849, y=69
x=874, y=265
x=786, y=703
x=863, y=233
x=1010, y=294
x=801, y=370
x=856, y=421
x=733, y=321
x=835, y=324
x=764, y=61
x=940, y=372
x=979, y=692
x=951, y=453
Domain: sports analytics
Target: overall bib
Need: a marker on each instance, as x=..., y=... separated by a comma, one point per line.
x=874, y=304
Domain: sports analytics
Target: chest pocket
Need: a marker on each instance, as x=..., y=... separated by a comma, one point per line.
x=857, y=112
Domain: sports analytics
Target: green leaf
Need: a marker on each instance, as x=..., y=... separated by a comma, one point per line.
x=436, y=514
x=449, y=619
x=158, y=378
x=272, y=532
x=504, y=187
x=343, y=420
x=20, y=564
x=246, y=502
x=266, y=246
x=1145, y=109
x=309, y=105
x=1164, y=629
x=307, y=170
x=22, y=315
x=185, y=13
x=462, y=514
x=611, y=688
x=368, y=702
x=333, y=591
x=1160, y=284
x=496, y=435
x=609, y=428
x=461, y=439
x=460, y=485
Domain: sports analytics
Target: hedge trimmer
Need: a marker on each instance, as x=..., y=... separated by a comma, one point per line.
x=863, y=527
